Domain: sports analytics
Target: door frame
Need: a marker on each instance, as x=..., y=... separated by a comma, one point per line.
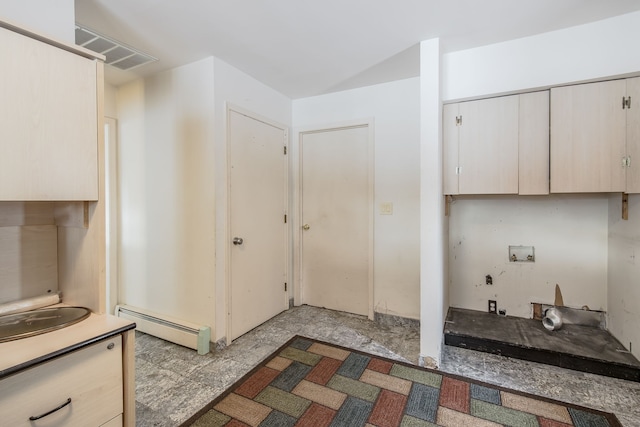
x=297, y=201
x=227, y=234
x=112, y=216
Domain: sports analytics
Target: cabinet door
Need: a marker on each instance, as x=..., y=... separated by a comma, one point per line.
x=588, y=138
x=450, y=149
x=533, y=144
x=48, y=122
x=488, y=146
x=633, y=136
x=90, y=378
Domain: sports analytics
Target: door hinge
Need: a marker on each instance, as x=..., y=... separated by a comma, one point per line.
x=285, y=286
x=458, y=120
x=285, y=150
x=626, y=102
x=285, y=218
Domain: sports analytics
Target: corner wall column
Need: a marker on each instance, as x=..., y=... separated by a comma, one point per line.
x=432, y=266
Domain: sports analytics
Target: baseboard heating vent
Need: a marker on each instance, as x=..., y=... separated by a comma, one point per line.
x=177, y=331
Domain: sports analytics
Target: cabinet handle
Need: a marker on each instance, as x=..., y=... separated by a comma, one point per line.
x=34, y=418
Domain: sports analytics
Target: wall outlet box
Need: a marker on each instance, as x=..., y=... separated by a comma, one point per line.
x=493, y=306
x=522, y=254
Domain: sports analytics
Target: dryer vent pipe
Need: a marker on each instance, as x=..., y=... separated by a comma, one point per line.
x=552, y=319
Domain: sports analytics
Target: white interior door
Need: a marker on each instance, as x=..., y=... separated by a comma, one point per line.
x=257, y=203
x=336, y=219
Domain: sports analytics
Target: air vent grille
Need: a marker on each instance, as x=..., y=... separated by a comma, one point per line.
x=117, y=54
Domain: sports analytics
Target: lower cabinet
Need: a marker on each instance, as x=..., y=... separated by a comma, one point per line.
x=83, y=388
x=114, y=422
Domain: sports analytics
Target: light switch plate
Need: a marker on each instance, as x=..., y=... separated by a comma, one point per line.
x=386, y=208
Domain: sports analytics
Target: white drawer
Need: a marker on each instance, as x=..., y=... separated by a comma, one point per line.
x=90, y=377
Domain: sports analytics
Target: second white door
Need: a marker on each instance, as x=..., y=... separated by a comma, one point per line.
x=257, y=200
x=336, y=220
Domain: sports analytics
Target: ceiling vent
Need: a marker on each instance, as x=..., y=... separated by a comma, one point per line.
x=117, y=54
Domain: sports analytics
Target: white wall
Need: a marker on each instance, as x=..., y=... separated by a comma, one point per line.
x=569, y=234
x=433, y=276
x=167, y=197
x=55, y=19
x=110, y=101
x=623, y=273
x=592, y=51
x=395, y=109
x=232, y=86
x=173, y=186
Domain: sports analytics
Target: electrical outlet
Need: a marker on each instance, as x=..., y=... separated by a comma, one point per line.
x=493, y=306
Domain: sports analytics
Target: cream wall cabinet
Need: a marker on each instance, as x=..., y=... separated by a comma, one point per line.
x=633, y=135
x=595, y=137
x=85, y=386
x=48, y=121
x=497, y=145
x=533, y=144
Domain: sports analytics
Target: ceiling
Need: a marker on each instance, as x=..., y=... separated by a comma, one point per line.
x=303, y=48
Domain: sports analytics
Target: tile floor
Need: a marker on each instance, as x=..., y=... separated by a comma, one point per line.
x=172, y=382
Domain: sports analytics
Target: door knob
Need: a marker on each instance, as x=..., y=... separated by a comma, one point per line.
x=306, y=227
x=237, y=240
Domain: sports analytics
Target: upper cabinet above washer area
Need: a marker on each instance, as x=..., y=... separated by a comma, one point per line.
x=50, y=97
x=595, y=137
x=497, y=145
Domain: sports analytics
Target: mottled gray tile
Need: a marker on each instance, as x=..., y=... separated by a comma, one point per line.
x=169, y=356
x=147, y=417
x=220, y=373
x=169, y=393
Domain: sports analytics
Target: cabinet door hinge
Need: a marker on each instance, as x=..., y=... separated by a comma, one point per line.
x=285, y=150
x=626, y=102
x=458, y=120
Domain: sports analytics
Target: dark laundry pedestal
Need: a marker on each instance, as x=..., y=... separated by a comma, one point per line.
x=581, y=348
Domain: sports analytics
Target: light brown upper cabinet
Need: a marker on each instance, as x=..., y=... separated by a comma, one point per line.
x=497, y=145
x=595, y=137
x=633, y=135
x=48, y=121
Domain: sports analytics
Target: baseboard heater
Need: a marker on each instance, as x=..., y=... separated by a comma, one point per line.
x=177, y=331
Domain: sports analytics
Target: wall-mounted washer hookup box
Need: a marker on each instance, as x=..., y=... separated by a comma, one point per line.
x=522, y=254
